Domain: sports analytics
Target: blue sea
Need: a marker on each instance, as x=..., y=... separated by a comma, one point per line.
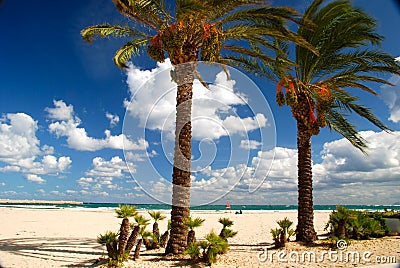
x=112, y=206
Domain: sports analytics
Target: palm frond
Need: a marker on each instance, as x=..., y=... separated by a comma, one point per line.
x=106, y=30
x=125, y=53
x=337, y=122
x=147, y=12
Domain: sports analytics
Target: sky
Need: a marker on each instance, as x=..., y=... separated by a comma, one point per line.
x=73, y=126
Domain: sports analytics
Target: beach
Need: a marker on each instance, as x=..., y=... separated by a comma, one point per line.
x=67, y=238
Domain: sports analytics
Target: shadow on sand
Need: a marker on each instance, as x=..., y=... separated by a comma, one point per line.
x=73, y=252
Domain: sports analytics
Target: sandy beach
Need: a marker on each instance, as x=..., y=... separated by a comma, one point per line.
x=67, y=238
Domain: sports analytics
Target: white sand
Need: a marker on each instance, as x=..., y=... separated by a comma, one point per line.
x=67, y=238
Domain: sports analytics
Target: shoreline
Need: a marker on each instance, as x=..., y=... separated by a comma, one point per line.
x=39, y=202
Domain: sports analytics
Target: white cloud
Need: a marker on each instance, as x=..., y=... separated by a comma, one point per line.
x=61, y=111
x=103, y=174
x=115, y=168
x=213, y=112
x=34, y=178
x=77, y=137
x=114, y=119
x=391, y=96
x=343, y=164
x=344, y=175
x=18, y=138
x=19, y=148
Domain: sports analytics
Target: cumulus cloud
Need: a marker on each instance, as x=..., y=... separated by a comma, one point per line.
x=20, y=149
x=67, y=125
x=214, y=110
x=343, y=175
x=115, y=168
x=18, y=137
x=34, y=178
x=103, y=173
x=250, y=144
x=61, y=111
x=114, y=119
x=391, y=96
x=343, y=164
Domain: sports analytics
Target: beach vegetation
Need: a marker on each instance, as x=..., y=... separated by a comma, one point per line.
x=225, y=32
x=282, y=234
x=207, y=250
x=141, y=222
x=225, y=231
x=143, y=235
x=156, y=216
x=319, y=87
x=165, y=235
x=110, y=240
x=155, y=241
x=353, y=224
x=192, y=223
x=124, y=212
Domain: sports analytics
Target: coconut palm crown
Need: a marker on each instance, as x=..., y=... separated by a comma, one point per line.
x=207, y=30
x=318, y=88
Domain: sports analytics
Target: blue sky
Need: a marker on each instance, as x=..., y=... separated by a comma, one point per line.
x=63, y=125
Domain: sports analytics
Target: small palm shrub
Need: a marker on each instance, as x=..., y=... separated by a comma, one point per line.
x=165, y=235
x=352, y=224
x=143, y=235
x=110, y=240
x=141, y=221
x=283, y=234
x=119, y=245
x=192, y=223
x=225, y=231
x=124, y=212
x=207, y=250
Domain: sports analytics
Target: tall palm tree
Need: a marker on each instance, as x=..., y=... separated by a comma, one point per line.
x=209, y=30
x=316, y=87
x=124, y=212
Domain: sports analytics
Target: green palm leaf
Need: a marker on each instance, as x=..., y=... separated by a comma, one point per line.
x=105, y=30
x=125, y=53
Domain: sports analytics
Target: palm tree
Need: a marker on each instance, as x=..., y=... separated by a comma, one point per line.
x=316, y=92
x=156, y=215
x=192, y=223
x=225, y=231
x=124, y=212
x=209, y=30
x=109, y=239
x=143, y=235
x=140, y=222
x=165, y=235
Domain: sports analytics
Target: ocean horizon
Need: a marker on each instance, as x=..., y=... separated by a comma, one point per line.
x=243, y=207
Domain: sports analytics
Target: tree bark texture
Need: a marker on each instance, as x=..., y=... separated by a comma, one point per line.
x=305, y=228
x=182, y=159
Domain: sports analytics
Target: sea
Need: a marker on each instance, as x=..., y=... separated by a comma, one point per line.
x=214, y=208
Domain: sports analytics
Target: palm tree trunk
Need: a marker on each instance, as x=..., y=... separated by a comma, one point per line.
x=132, y=239
x=164, y=239
x=123, y=236
x=137, y=249
x=182, y=159
x=305, y=227
x=156, y=230
x=191, y=238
